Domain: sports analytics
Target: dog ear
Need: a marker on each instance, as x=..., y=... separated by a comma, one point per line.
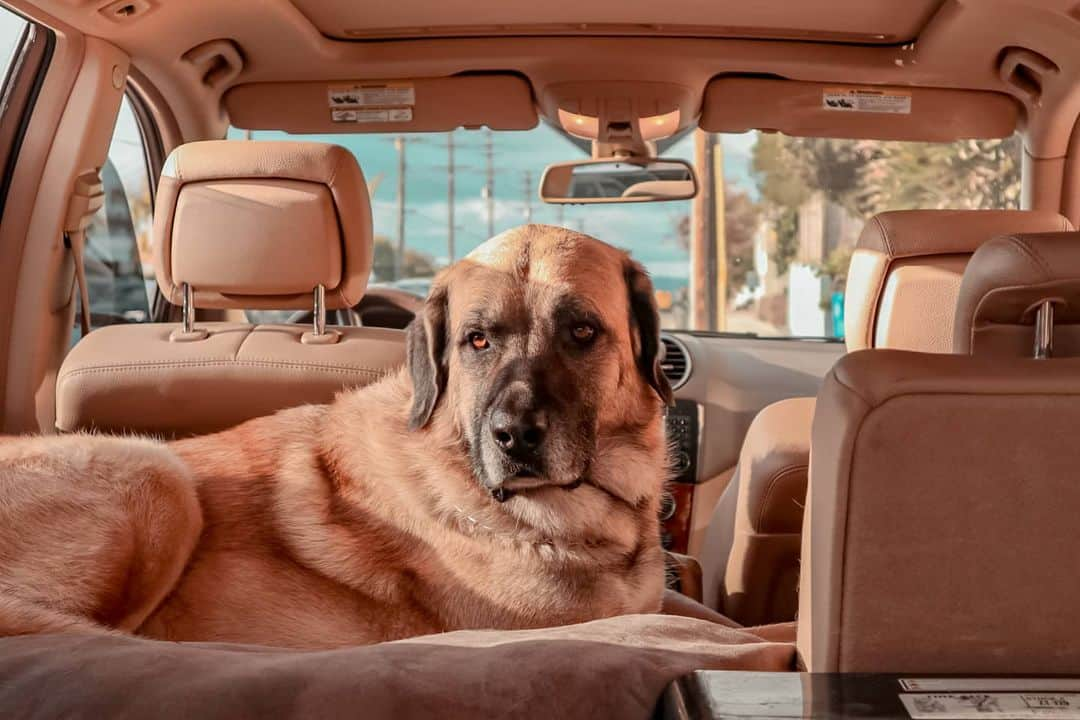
x=645, y=318
x=425, y=343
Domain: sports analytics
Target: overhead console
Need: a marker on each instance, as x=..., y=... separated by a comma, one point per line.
x=497, y=101
x=620, y=115
x=872, y=112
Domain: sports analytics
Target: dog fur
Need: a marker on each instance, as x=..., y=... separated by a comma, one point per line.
x=387, y=513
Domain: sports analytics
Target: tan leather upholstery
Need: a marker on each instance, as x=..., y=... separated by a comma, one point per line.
x=1004, y=284
x=762, y=575
x=902, y=287
x=895, y=300
x=259, y=224
x=131, y=378
x=942, y=516
x=249, y=225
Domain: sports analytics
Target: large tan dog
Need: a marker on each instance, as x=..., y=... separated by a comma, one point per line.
x=508, y=478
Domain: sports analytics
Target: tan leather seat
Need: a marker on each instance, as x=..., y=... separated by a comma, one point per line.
x=1007, y=280
x=244, y=225
x=901, y=293
x=941, y=518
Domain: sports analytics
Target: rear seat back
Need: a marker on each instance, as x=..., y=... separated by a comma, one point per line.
x=1009, y=279
x=941, y=514
x=906, y=269
x=239, y=225
x=902, y=288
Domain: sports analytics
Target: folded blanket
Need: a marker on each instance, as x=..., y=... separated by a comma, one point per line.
x=612, y=668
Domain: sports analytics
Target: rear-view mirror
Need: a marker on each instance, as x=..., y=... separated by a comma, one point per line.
x=618, y=180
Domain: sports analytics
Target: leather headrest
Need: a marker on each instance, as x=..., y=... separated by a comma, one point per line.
x=1005, y=282
x=259, y=224
x=906, y=268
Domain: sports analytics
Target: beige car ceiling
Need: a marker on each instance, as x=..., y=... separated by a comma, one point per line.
x=936, y=43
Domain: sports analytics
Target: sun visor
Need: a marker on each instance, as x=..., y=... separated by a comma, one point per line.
x=500, y=102
x=871, y=112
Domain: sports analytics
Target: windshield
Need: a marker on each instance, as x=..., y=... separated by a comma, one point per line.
x=769, y=260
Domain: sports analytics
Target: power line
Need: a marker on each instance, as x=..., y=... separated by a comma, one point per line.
x=526, y=176
x=450, y=197
x=399, y=256
x=489, y=186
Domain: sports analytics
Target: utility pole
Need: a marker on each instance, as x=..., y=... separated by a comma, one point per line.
x=489, y=186
x=527, y=177
x=719, y=218
x=450, y=197
x=452, y=168
x=703, y=305
x=560, y=214
x=399, y=256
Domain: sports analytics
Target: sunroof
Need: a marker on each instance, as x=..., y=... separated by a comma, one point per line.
x=841, y=21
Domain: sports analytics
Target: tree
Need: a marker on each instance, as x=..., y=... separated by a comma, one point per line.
x=973, y=174
x=788, y=170
x=415, y=264
x=785, y=222
x=741, y=218
x=869, y=176
x=835, y=267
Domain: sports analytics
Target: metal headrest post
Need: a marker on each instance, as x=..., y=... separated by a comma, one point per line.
x=187, y=331
x=1044, y=330
x=319, y=335
x=187, y=310
x=320, y=311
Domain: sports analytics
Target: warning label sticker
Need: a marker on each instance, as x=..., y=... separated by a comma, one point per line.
x=939, y=706
x=384, y=115
x=870, y=101
x=372, y=95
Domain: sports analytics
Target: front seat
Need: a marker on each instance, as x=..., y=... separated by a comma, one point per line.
x=941, y=527
x=245, y=225
x=901, y=293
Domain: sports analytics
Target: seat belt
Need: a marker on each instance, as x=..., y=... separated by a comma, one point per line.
x=87, y=197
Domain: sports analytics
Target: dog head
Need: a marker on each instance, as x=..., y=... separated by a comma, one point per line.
x=542, y=348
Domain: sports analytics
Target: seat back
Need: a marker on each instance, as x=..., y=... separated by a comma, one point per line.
x=941, y=513
x=1010, y=279
x=905, y=272
x=239, y=225
x=902, y=292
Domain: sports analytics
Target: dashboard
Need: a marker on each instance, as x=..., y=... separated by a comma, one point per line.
x=720, y=383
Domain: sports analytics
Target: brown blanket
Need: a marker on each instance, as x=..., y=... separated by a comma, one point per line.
x=613, y=668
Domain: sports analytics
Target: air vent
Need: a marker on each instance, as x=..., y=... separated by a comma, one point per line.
x=675, y=362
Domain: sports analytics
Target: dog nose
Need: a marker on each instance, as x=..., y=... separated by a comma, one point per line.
x=520, y=436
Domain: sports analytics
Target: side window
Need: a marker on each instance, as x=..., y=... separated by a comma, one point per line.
x=119, y=272
x=11, y=30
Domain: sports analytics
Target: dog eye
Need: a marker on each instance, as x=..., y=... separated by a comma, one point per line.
x=583, y=332
x=479, y=341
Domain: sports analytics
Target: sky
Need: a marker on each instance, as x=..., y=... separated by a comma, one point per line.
x=11, y=27
x=647, y=230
